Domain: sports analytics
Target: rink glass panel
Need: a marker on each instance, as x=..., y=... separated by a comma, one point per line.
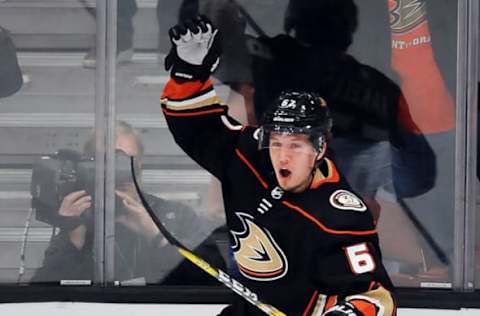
x=67, y=98
x=54, y=110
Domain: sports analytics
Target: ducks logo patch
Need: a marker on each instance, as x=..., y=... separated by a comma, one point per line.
x=257, y=254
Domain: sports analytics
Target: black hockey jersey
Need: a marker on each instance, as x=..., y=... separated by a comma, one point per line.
x=301, y=252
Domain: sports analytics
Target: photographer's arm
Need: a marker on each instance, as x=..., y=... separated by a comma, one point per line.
x=64, y=261
x=136, y=218
x=161, y=257
x=64, y=257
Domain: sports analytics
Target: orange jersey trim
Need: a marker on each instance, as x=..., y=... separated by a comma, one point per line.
x=310, y=304
x=196, y=113
x=394, y=307
x=373, y=301
x=176, y=90
x=325, y=228
x=252, y=168
x=331, y=301
x=332, y=177
x=367, y=308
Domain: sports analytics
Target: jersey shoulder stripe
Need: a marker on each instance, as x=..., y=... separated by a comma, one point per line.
x=195, y=113
x=252, y=168
x=310, y=304
x=323, y=227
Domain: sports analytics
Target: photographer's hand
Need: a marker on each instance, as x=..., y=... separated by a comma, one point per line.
x=136, y=217
x=74, y=204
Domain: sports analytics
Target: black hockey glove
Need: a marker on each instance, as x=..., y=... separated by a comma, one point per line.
x=343, y=309
x=195, y=51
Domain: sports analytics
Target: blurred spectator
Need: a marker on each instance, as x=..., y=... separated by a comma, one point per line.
x=167, y=12
x=426, y=111
x=312, y=56
x=126, y=9
x=141, y=252
x=167, y=15
x=10, y=74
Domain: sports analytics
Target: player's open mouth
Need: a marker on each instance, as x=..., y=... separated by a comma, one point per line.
x=285, y=172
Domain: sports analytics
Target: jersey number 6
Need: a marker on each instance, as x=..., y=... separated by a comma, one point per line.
x=360, y=260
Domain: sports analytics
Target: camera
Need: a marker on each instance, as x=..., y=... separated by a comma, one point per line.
x=56, y=175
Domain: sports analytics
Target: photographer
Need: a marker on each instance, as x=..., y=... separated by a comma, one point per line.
x=141, y=252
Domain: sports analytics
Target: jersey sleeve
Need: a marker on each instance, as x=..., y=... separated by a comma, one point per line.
x=200, y=124
x=347, y=259
x=354, y=272
x=376, y=301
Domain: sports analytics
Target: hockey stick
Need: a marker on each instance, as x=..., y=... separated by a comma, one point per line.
x=218, y=274
x=442, y=256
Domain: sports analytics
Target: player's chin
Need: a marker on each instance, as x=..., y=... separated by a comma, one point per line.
x=284, y=183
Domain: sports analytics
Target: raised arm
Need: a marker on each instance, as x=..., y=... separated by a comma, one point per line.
x=195, y=115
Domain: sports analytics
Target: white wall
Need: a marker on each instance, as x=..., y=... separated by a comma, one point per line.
x=82, y=309
x=103, y=309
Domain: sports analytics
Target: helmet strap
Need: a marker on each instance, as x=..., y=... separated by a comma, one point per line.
x=316, y=164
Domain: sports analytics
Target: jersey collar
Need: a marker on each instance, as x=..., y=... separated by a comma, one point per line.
x=332, y=175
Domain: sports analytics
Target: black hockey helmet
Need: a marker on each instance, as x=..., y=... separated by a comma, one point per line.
x=297, y=113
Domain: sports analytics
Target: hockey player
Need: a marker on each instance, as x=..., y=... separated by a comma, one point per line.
x=300, y=237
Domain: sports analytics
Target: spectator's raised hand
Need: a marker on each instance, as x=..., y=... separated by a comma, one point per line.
x=136, y=217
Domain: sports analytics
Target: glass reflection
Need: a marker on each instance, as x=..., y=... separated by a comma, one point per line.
x=387, y=68
x=393, y=134
x=52, y=110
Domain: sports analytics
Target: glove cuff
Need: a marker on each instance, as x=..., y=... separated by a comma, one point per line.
x=182, y=70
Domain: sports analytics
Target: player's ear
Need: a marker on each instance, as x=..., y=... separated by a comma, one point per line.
x=323, y=151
